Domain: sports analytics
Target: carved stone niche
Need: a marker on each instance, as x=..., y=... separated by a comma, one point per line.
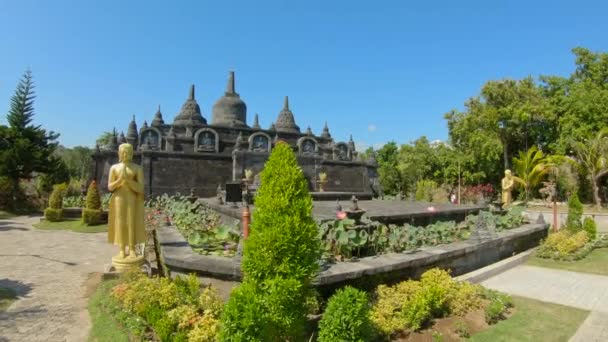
x=341, y=151
x=206, y=140
x=308, y=146
x=260, y=142
x=151, y=138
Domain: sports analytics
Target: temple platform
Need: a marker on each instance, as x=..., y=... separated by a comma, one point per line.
x=385, y=211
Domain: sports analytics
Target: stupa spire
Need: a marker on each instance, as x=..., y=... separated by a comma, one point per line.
x=256, y=122
x=230, y=87
x=191, y=94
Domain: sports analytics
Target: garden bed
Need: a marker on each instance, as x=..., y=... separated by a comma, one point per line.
x=461, y=257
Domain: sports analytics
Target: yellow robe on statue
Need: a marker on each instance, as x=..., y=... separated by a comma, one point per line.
x=126, y=211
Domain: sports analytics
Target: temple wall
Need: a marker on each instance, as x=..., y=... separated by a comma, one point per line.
x=172, y=173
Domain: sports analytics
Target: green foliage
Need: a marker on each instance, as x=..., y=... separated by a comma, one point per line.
x=590, y=227
x=575, y=214
x=283, y=239
x=425, y=189
x=176, y=310
x=563, y=245
x=56, y=199
x=499, y=305
x=341, y=240
x=412, y=304
x=280, y=257
x=76, y=159
x=346, y=317
x=6, y=188
x=93, y=199
x=200, y=225
x=53, y=215
x=530, y=167
x=74, y=202
x=59, y=174
x=271, y=310
x=91, y=217
x=24, y=147
x=592, y=159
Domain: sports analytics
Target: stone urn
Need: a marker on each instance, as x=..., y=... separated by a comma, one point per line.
x=354, y=212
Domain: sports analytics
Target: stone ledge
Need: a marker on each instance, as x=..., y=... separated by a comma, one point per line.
x=461, y=257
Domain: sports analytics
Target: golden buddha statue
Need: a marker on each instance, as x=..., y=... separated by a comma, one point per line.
x=126, y=211
x=507, y=184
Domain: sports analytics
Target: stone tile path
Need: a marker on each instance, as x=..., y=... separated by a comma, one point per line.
x=48, y=269
x=579, y=290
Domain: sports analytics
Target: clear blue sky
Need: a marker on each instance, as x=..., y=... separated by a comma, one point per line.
x=396, y=66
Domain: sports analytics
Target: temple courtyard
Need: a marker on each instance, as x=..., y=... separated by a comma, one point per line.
x=54, y=272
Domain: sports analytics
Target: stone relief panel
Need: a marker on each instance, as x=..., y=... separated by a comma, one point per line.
x=259, y=142
x=307, y=146
x=341, y=151
x=206, y=140
x=150, y=138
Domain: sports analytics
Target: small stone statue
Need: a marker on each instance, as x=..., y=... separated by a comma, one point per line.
x=219, y=195
x=355, y=202
x=126, y=210
x=507, y=185
x=338, y=205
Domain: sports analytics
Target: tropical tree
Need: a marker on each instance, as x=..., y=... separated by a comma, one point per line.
x=530, y=167
x=24, y=147
x=591, y=156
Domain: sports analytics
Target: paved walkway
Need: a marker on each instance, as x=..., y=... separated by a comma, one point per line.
x=48, y=269
x=579, y=290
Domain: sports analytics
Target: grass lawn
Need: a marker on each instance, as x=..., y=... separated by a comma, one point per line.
x=104, y=327
x=74, y=225
x=7, y=297
x=596, y=262
x=535, y=321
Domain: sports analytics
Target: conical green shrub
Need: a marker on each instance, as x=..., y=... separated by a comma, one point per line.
x=280, y=257
x=91, y=215
x=54, y=213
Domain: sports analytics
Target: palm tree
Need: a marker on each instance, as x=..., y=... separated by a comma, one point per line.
x=591, y=157
x=530, y=167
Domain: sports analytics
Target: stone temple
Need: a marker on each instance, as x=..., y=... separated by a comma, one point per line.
x=192, y=155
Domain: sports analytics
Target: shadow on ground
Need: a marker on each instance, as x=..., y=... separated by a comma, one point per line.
x=20, y=288
x=6, y=226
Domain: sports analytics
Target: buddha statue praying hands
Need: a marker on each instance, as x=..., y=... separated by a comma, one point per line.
x=126, y=211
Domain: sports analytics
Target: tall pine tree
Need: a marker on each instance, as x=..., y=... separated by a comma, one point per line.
x=24, y=147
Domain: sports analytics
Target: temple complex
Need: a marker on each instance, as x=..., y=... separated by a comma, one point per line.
x=192, y=155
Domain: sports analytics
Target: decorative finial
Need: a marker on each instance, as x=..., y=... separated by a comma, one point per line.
x=309, y=131
x=191, y=95
x=325, y=133
x=272, y=127
x=256, y=123
x=286, y=103
x=145, y=125
x=230, y=88
x=158, y=118
x=351, y=138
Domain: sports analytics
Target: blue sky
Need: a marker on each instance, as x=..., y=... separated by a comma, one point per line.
x=380, y=70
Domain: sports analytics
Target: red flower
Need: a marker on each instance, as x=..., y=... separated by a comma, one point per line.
x=341, y=215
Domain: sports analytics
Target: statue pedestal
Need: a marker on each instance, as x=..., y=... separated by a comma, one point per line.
x=128, y=263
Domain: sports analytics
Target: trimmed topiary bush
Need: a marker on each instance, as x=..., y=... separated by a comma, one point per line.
x=54, y=213
x=575, y=214
x=91, y=215
x=590, y=227
x=346, y=317
x=280, y=257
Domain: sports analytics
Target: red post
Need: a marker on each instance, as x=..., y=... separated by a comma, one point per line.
x=246, y=217
x=555, y=228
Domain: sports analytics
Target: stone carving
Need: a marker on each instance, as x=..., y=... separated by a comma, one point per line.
x=151, y=137
x=507, y=185
x=206, y=140
x=126, y=210
x=259, y=142
x=341, y=151
x=485, y=228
